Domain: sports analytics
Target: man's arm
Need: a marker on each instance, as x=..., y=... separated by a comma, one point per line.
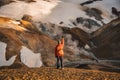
x=62, y=41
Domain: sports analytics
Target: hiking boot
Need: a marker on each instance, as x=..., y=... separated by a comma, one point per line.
x=62, y=68
x=58, y=67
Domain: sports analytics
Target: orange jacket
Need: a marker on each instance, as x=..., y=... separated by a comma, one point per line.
x=59, y=48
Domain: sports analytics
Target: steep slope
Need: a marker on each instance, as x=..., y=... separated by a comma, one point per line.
x=107, y=40
x=16, y=36
x=94, y=15
x=77, y=34
x=23, y=33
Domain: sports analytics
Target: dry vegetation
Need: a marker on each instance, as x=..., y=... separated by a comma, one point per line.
x=47, y=73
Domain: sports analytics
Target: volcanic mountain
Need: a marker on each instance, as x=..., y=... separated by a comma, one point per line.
x=90, y=29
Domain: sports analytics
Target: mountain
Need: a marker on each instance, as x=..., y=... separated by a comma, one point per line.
x=93, y=15
x=32, y=26
x=16, y=36
x=23, y=39
x=107, y=40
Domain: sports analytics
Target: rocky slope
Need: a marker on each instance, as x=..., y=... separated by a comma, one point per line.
x=18, y=35
x=23, y=33
x=107, y=40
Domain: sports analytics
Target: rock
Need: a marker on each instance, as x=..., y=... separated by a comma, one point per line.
x=4, y=2
x=89, y=23
x=115, y=12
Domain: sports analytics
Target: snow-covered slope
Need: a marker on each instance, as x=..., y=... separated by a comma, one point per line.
x=38, y=9
x=106, y=4
x=68, y=10
x=56, y=11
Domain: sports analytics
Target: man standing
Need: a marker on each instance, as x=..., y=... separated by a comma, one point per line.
x=59, y=53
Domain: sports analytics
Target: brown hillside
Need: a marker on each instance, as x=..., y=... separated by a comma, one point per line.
x=107, y=40
x=26, y=34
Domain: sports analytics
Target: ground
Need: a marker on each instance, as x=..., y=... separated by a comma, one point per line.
x=51, y=73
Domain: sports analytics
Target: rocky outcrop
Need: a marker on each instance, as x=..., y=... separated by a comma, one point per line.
x=89, y=23
x=77, y=34
x=89, y=2
x=4, y=2
x=28, y=1
x=94, y=12
x=115, y=12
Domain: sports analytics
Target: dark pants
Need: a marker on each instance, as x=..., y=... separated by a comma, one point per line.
x=59, y=62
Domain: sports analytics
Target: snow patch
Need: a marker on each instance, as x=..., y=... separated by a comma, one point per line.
x=87, y=46
x=3, y=61
x=29, y=58
x=14, y=22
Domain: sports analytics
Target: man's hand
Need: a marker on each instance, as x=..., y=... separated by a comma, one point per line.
x=62, y=36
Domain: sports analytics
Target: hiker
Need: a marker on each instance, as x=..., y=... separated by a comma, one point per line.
x=59, y=53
